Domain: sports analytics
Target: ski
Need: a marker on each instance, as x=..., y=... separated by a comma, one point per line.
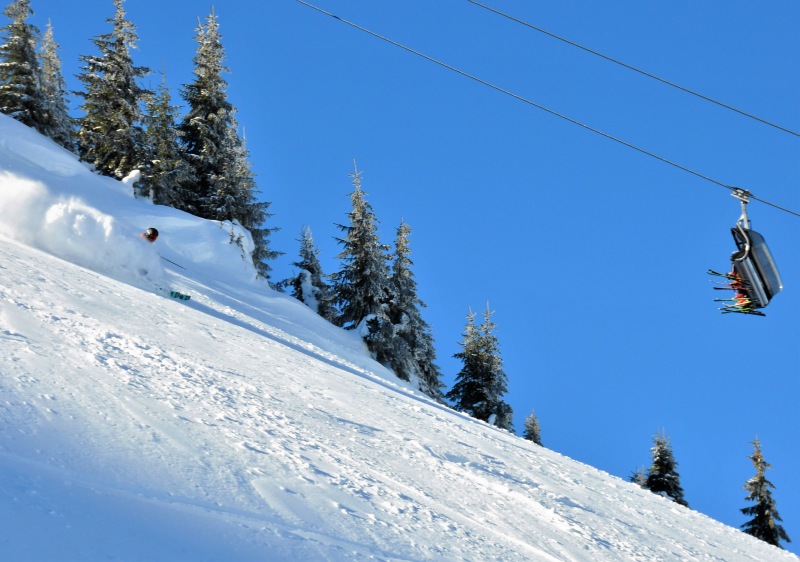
x=739, y=302
x=725, y=275
x=735, y=277
x=751, y=312
x=728, y=283
x=172, y=293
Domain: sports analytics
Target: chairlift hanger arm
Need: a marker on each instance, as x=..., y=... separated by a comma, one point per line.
x=744, y=197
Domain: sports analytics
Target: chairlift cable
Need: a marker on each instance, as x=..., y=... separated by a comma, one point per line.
x=784, y=209
x=633, y=68
x=538, y=106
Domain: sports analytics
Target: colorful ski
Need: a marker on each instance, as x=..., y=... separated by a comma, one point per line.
x=750, y=311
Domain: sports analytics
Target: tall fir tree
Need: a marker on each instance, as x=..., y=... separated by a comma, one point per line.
x=234, y=181
x=60, y=126
x=396, y=336
x=309, y=285
x=223, y=187
x=111, y=136
x=764, y=523
x=165, y=170
x=21, y=93
x=468, y=390
x=361, y=287
x=532, y=431
x=662, y=477
x=206, y=127
x=481, y=383
x=245, y=207
x=413, y=353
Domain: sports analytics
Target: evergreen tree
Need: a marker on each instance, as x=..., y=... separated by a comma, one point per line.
x=468, y=391
x=503, y=416
x=166, y=170
x=481, y=383
x=111, y=136
x=532, y=431
x=206, y=127
x=309, y=285
x=21, y=93
x=639, y=476
x=413, y=351
x=361, y=287
x=430, y=376
x=764, y=523
x=60, y=126
x=402, y=310
x=243, y=205
x=234, y=181
x=223, y=187
x=662, y=477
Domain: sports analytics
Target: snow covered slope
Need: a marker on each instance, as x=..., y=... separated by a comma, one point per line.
x=240, y=426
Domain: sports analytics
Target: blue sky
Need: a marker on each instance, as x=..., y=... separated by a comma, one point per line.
x=593, y=255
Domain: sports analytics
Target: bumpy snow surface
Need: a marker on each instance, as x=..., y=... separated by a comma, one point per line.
x=239, y=425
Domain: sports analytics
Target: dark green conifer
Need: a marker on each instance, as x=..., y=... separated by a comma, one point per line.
x=206, y=127
x=60, y=126
x=481, y=383
x=764, y=523
x=165, y=171
x=662, y=477
x=223, y=184
x=21, y=93
x=532, y=430
x=309, y=285
x=362, y=285
x=414, y=354
x=111, y=136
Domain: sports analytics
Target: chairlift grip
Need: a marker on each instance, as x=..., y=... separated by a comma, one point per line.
x=744, y=198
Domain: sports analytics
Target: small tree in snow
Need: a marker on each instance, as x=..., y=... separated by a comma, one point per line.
x=532, y=431
x=482, y=382
x=662, y=477
x=309, y=285
x=639, y=476
x=764, y=523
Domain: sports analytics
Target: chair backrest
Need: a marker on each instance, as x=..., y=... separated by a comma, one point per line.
x=754, y=263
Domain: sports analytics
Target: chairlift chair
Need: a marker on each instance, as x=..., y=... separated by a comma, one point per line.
x=752, y=261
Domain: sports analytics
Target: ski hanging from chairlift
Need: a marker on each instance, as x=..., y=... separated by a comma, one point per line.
x=753, y=277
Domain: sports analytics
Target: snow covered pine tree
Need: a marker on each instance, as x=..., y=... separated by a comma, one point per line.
x=764, y=523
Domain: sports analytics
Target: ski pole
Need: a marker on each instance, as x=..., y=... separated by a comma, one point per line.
x=170, y=261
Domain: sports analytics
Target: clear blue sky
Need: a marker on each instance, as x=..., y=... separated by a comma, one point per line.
x=593, y=255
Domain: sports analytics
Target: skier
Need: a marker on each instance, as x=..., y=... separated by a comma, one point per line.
x=151, y=234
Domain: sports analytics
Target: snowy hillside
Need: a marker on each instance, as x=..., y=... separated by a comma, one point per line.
x=240, y=426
